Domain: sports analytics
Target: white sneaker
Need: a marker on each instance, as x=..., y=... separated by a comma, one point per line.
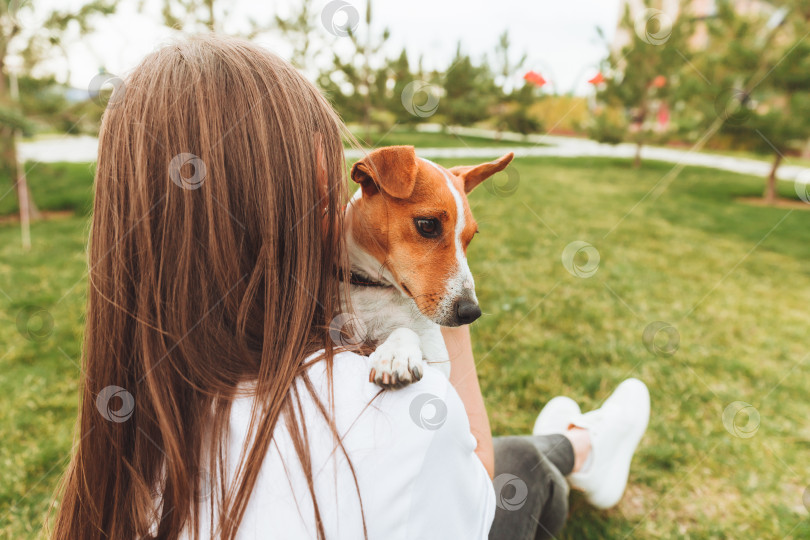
x=615, y=430
x=556, y=416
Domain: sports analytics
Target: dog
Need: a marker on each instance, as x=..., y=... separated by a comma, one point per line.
x=408, y=227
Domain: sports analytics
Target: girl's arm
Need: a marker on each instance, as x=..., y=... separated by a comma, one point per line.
x=465, y=380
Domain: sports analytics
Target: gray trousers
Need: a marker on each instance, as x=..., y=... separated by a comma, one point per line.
x=530, y=488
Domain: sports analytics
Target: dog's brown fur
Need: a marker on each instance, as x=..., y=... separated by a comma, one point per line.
x=399, y=187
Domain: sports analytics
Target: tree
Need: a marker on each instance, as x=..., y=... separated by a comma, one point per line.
x=192, y=16
x=764, y=71
x=353, y=79
x=512, y=112
x=180, y=14
x=299, y=29
x=643, y=80
x=31, y=46
x=469, y=90
x=503, y=67
x=400, y=71
x=515, y=113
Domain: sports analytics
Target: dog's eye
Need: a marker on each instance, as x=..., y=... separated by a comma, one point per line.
x=428, y=227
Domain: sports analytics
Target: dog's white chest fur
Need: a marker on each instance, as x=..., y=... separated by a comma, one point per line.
x=402, y=336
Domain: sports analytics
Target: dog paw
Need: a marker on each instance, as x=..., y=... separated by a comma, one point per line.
x=397, y=362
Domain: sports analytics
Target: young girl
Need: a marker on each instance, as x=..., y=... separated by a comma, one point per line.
x=215, y=403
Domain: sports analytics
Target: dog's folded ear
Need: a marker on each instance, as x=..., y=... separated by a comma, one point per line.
x=475, y=174
x=391, y=170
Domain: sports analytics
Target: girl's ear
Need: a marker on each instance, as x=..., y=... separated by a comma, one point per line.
x=391, y=170
x=475, y=174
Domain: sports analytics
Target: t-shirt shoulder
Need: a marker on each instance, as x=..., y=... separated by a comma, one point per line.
x=430, y=450
x=408, y=452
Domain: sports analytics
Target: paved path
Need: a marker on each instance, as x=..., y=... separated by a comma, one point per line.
x=84, y=148
x=67, y=148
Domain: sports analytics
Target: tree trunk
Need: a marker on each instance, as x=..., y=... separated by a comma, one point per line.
x=806, y=150
x=770, y=194
x=212, y=24
x=16, y=174
x=8, y=143
x=637, y=158
x=367, y=115
x=367, y=51
x=367, y=97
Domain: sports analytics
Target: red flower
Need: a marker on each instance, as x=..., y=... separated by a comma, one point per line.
x=535, y=78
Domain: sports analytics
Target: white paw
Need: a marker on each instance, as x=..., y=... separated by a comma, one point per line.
x=397, y=362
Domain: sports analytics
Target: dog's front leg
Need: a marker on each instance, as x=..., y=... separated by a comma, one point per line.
x=397, y=362
x=434, y=349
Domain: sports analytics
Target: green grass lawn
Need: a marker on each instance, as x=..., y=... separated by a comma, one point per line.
x=732, y=279
x=55, y=186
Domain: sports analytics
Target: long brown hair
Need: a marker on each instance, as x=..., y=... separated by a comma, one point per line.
x=213, y=258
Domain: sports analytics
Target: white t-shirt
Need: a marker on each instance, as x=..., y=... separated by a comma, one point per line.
x=411, y=449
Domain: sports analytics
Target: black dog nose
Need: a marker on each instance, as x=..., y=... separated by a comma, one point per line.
x=467, y=311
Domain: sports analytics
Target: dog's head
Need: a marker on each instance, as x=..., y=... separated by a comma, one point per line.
x=414, y=219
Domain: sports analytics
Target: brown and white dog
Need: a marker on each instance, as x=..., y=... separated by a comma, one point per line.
x=408, y=228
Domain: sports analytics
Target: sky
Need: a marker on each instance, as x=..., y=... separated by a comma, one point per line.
x=560, y=38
